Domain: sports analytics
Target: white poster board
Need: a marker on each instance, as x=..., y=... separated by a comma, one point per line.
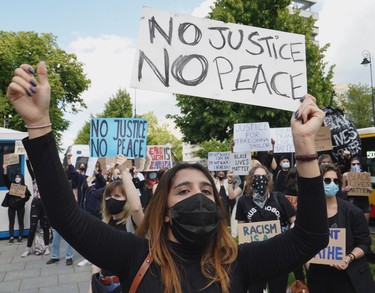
x=219, y=161
x=207, y=58
x=240, y=163
x=252, y=137
x=283, y=140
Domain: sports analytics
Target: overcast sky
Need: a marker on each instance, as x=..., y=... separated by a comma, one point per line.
x=103, y=35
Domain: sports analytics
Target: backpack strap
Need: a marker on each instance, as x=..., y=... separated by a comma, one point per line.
x=141, y=272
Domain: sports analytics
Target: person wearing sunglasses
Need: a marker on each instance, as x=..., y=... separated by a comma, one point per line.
x=361, y=202
x=259, y=204
x=354, y=276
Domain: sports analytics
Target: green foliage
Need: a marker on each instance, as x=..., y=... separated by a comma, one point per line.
x=357, y=104
x=212, y=146
x=160, y=135
x=66, y=75
x=118, y=106
x=203, y=119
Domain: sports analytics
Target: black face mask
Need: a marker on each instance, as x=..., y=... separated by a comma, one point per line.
x=195, y=220
x=82, y=169
x=115, y=206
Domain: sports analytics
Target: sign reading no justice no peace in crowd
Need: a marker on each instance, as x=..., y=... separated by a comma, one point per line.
x=206, y=58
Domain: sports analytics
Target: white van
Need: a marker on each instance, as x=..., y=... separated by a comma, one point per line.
x=80, y=154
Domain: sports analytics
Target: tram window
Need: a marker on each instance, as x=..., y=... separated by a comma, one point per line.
x=7, y=147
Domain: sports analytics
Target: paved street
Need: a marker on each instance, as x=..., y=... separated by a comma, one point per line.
x=32, y=275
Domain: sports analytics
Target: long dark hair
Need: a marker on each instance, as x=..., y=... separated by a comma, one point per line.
x=219, y=255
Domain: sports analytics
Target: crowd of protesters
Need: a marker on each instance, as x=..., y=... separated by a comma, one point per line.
x=180, y=216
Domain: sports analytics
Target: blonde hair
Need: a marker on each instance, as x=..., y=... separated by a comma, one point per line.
x=125, y=213
x=218, y=256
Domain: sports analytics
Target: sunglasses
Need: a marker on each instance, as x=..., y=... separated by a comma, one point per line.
x=329, y=180
x=355, y=164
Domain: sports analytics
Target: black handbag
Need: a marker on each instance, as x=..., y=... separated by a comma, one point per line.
x=98, y=287
x=5, y=201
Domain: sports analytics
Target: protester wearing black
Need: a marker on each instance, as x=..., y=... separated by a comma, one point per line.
x=15, y=204
x=190, y=253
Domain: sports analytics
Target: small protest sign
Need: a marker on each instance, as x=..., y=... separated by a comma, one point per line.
x=17, y=190
x=112, y=136
x=11, y=159
x=323, y=139
x=224, y=61
x=91, y=166
x=360, y=183
x=219, y=161
x=240, y=163
x=258, y=231
x=157, y=157
x=335, y=252
x=19, y=148
x=252, y=137
x=283, y=140
x=293, y=200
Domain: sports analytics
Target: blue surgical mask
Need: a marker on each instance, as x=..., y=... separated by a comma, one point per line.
x=285, y=165
x=331, y=189
x=152, y=175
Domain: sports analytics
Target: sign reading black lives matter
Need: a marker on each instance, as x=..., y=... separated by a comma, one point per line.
x=207, y=58
x=112, y=136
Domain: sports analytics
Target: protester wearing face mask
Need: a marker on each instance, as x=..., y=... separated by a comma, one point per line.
x=121, y=209
x=15, y=204
x=354, y=276
x=185, y=208
x=361, y=202
x=282, y=174
x=78, y=179
x=259, y=204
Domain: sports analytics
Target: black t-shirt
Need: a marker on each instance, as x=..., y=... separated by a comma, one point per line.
x=248, y=211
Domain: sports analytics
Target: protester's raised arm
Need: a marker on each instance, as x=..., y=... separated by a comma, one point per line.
x=305, y=124
x=31, y=99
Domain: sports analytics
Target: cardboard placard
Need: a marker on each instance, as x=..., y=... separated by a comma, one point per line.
x=224, y=61
x=219, y=161
x=360, y=182
x=11, y=159
x=19, y=148
x=158, y=157
x=248, y=137
x=258, y=231
x=335, y=252
x=240, y=163
x=112, y=136
x=323, y=139
x=17, y=190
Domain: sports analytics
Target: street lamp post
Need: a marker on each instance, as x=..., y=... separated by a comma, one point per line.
x=367, y=60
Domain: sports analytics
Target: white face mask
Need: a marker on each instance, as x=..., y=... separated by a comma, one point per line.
x=356, y=168
x=17, y=180
x=285, y=165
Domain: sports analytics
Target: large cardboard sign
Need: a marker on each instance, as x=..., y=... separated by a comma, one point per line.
x=335, y=252
x=360, y=182
x=158, y=156
x=219, y=161
x=252, y=137
x=19, y=148
x=240, y=163
x=224, y=61
x=17, y=190
x=323, y=141
x=258, y=231
x=112, y=136
x=283, y=140
x=11, y=159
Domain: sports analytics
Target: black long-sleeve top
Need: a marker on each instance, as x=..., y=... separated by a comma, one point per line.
x=123, y=253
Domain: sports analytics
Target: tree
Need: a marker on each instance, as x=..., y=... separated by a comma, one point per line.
x=66, y=76
x=160, y=135
x=212, y=146
x=204, y=119
x=357, y=105
x=118, y=106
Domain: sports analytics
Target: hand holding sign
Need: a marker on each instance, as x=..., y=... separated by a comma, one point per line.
x=121, y=162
